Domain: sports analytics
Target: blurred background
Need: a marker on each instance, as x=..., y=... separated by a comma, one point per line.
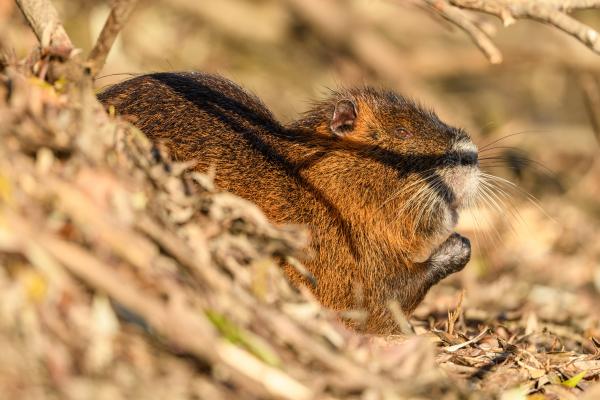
x=536, y=244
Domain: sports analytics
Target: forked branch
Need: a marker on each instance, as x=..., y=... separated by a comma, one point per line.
x=45, y=23
x=459, y=18
x=552, y=12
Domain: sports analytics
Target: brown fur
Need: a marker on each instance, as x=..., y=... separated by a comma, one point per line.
x=346, y=187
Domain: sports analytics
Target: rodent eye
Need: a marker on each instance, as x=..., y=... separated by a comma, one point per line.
x=403, y=133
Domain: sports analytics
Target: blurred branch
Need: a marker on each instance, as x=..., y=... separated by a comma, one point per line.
x=45, y=23
x=179, y=323
x=57, y=57
x=119, y=14
x=591, y=91
x=551, y=12
x=334, y=24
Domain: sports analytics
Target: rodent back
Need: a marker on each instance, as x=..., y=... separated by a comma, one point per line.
x=186, y=104
x=215, y=122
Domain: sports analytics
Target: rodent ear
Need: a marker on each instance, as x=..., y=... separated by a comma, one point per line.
x=343, y=118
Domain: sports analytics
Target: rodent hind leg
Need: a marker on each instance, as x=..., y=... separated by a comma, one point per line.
x=451, y=256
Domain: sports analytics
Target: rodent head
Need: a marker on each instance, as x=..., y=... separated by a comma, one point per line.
x=419, y=169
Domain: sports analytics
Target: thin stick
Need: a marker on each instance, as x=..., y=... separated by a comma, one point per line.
x=460, y=19
x=591, y=91
x=43, y=19
x=119, y=15
x=551, y=12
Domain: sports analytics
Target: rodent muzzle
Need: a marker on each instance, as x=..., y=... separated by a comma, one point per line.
x=462, y=172
x=463, y=153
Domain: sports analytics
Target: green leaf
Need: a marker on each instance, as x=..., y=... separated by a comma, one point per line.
x=574, y=380
x=243, y=338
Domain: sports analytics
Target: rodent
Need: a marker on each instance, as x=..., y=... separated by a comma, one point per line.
x=377, y=179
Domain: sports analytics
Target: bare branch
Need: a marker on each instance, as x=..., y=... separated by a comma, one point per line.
x=119, y=15
x=552, y=12
x=591, y=91
x=568, y=5
x=45, y=23
x=496, y=7
x=457, y=17
x=582, y=32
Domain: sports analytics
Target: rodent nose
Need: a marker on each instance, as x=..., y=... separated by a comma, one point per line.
x=464, y=152
x=468, y=158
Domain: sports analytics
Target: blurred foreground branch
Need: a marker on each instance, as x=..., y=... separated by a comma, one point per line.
x=45, y=23
x=54, y=41
x=551, y=12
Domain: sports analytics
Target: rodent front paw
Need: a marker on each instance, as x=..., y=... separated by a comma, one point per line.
x=451, y=256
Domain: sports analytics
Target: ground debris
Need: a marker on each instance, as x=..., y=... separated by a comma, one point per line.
x=126, y=276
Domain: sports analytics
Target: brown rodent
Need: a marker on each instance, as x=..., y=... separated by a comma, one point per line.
x=377, y=179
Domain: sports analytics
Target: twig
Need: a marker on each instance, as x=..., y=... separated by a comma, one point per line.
x=454, y=315
x=479, y=37
x=119, y=15
x=591, y=91
x=452, y=349
x=45, y=23
x=332, y=21
x=552, y=12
